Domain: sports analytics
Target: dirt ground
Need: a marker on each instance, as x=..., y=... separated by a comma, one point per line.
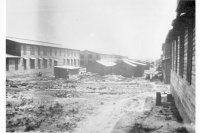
x=89, y=104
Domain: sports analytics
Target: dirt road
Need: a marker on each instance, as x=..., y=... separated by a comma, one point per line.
x=92, y=105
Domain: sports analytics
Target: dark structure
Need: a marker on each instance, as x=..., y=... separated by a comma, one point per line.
x=181, y=40
x=127, y=68
x=102, y=67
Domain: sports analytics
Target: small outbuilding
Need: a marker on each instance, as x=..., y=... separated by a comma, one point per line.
x=65, y=71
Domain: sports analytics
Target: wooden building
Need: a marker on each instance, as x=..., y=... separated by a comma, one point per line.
x=30, y=57
x=182, y=40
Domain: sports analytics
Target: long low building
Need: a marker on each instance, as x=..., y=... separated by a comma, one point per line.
x=124, y=67
x=30, y=57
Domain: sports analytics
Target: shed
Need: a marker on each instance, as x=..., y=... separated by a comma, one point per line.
x=63, y=71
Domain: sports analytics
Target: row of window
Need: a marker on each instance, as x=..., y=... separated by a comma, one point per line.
x=90, y=56
x=183, y=53
x=49, y=51
x=41, y=63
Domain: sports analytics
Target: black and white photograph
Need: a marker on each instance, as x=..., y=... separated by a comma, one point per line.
x=100, y=66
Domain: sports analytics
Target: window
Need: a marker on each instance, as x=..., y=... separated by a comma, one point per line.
x=60, y=52
x=175, y=56
x=55, y=63
x=89, y=56
x=32, y=63
x=24, y=64
x=190, y=53
x=50, y=63
x=178, y=55
x=16, y=64
x=45, y=63
x=32, y=50
x=39, y=63
x=74, y=62
x=181, y=54
x=68, y=53
x=55, y=52
x=45, y=51
x=78, y=62
x=24, y=49
x=63, y=61
x=68, y=62
x=39, y=50
x=50, y=51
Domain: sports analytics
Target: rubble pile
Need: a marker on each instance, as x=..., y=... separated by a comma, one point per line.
x=46, y=104
x=113, y=78
x=66, y=93
x=24, y=116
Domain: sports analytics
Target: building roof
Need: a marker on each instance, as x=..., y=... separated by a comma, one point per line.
x=129, y=63
x=136, y=62
x=67, y=67
x=35, y=42
x=106, y=63
x=12, y=56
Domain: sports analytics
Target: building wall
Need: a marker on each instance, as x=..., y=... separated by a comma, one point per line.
x=184, y=96
x=124, y=69
x=95, y=67
x=87, y=57
x=183, y=56
x=44, y=54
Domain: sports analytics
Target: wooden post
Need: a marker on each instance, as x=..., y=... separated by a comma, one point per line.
x=158, y=99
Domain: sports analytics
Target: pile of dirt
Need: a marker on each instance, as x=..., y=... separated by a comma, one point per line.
x=22, y=117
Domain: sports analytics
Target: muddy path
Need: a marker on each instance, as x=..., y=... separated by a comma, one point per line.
x=106, y=117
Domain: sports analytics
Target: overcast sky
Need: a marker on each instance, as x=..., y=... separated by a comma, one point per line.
x=134, y=28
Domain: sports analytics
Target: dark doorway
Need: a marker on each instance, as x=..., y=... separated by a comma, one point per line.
x=24, y=64
x=16, y=64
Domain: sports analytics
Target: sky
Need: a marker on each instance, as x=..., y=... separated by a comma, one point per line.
x=133, y=28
